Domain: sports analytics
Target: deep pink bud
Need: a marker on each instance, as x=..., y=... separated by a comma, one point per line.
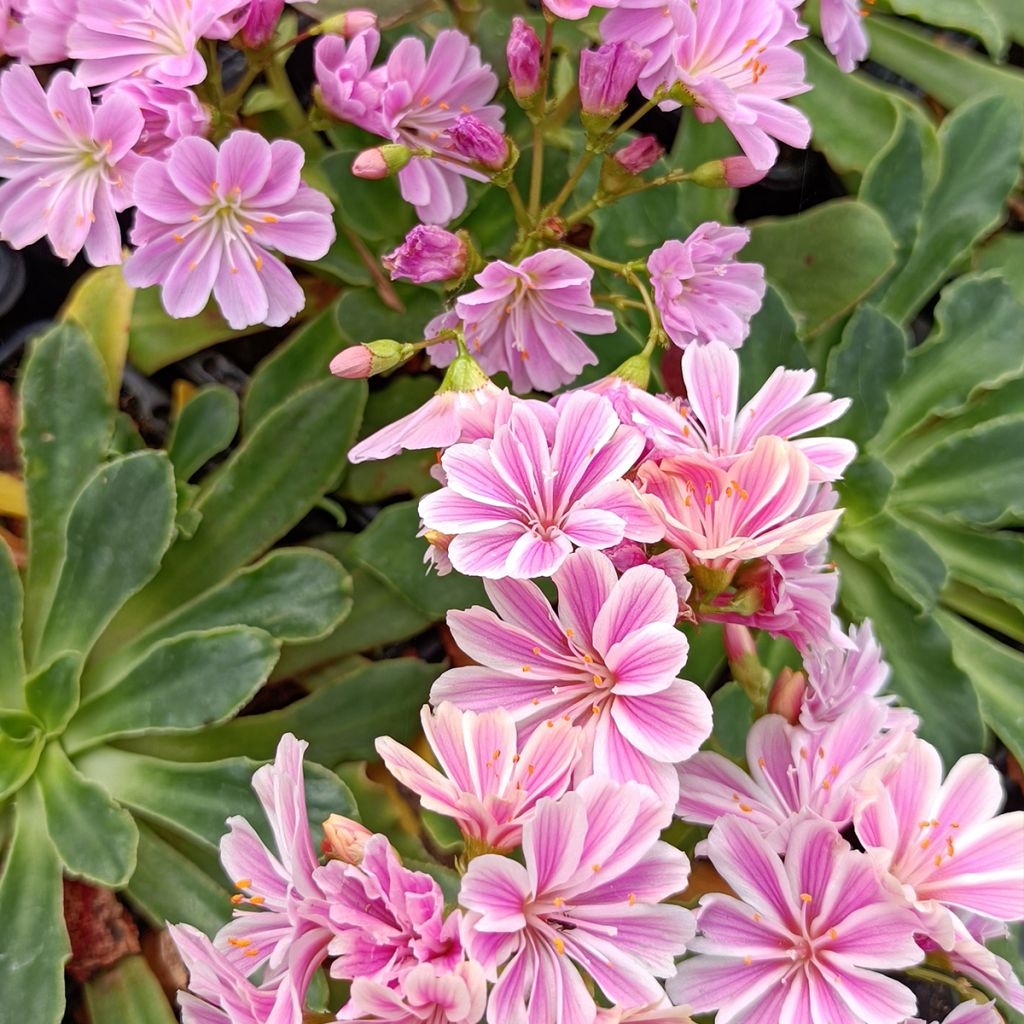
x=787, y=695
x=260, y=23
x=740, y=172
x=478, y=141
x=523, y=54
x=641, y=153
x=738, y=641
x=429, y=253
x=381, y=161
x=606, y=76
x=345, y=839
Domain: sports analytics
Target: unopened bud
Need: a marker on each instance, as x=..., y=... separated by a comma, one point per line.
x=347, y=24
x=345, y=839
x=381, y=161
x=429, y=253
x=478, y=141
x=360, y=361
x=732, y=172
x=711, y=581
x=464, y=374
x=636, y=369
x=606, y=76
x=787, y=695
x=744, y=663
x=523, y=53
x=553, y=229
x=643, y=152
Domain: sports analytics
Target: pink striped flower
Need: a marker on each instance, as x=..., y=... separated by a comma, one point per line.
x=801, y=942
x=427, y=996
x=169, y=113
x=738, y=66
x=661, y=1013
x=608, y=661
x=702, y=293
x=720, y=518
x=69, y=163
x=208, y=219
x=115, y=39
x=574, y=10
x=794, y=772
x=518, y=505
x=842, y=28
x=526, y=319
x=943, y=846
x=588, y=895
x=491, y=782
x=348, y=85
x=970, y=956
x=968, y=1013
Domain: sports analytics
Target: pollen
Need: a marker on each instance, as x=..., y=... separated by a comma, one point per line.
x=214, y=185
x=559, y=901
x=243, y=883
x=178, y=239
x=595, y=868
x=551, y=724
x=569, y=633
x=597, y=680
x=257, y=900
x=251, y=952
x=805, y=897
x=632, y=899
x=269, y=219
x=526, y=668
x=536, y=650
x=757, y=916
x=237, y=898
x=833, y=934
x=248, y=229
x=239, y=943
x=747, y=960
x=560, y=947
x=425, y=102
x=595, y=709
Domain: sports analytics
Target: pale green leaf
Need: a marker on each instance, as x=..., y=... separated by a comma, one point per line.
x=51, y=693
x=12, y=660
x=205, y=426
x=128, y=993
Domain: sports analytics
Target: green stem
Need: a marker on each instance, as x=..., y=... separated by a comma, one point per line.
x=384, y=287
x=604, y=199
x=961, y=985
x=522, y=214
x=569, y=187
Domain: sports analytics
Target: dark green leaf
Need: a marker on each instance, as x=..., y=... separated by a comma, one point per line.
x=117, y=532
x=127, y=992
x=706, y=659
x=33, y=940
x=772, y=343
x=364, y=317
x=733, y=717
x=373, y=209
x=96, y=839
x=863, y=491
x=21, y=742
x=1005, y=254
x=51, y=694
x=12, y=660
x=205, y=426
x=970, y=16
x=696, y=144
x=66, y=422
x=182, y=684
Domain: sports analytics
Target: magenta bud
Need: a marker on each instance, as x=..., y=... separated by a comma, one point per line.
x=479, y=141
x=381, y=161
x=643, y=152
x=429, y=253
x=523, y=53
x=738, y=641
x=732, y=172
x=345, y=839
x=606, y=76
x=260, y=23
x=787, y=695
x=359, y=361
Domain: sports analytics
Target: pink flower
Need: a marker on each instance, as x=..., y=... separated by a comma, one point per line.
x=523, y=53
x=526, y=320
x=387, y=919
x=207, y=219
x=428, y=254
x=36, y=30
x=256, y=21
x=221, y=994
x=794, y=773
x=969, y=1013
x=608, y=661
x=660, y=1013
x=739, y=68
x=700, y=290
x=654, y=25
x=491, y=782
x=708, y=420
x=69, y=163
x=574, y=10
x=804, y=941
x=943, y=845
x=169, y=113
x=427, y=996
x=843, y=31
x=606, y=76
x=477, y=141
x=970, y=956
x=640, y=154
x=345, y=839
x=288, y=927
x=116, y=39
x=720, y=518
x=349, y=86
x=519, y=504
x=588, y=896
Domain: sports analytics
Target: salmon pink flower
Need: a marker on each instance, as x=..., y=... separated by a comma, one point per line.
x=607, y=74
x=842, y=28
x=588, y=895
x=491, y=782
x=207, y=219
x=608, y=661
x=427, y=996
x=942, y=846
x=526, y=319
x=116, y=39
x=519, y=504
x=69, y=163
x=801, y=942
x=701, y=291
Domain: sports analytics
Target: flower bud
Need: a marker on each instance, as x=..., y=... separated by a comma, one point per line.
x=732, y=172
x=360, y=361
x=260, y=23
x=429, y=253
x=523, y=53
x=345, y=839
x=636, y=369
x=744, y=663
x=643, y=152
x=381, y=161
x=347, y=24
x=606, y=76
x=463, y=374
x=787, y=695
x=479, y=141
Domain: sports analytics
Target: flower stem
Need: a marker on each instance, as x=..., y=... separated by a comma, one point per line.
x=601, y=200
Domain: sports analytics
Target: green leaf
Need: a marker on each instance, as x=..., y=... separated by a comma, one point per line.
x=206, y=425
x=96, y=839
x=970, y=16
x=733, y=717
x=1005, y=254
x=980, y=146
x=340, y=720
x=182, y=684
x=66, y=422
x=706, y=659
x=117, y=532
x=863, y=367
x=823, y=261
x=101, y=304
x=863, y=491
x=12, y=660
x=294, y=594
x=21, y=742
x=168, y=886
x=974, y=476
x=303, y=359
x=925, y=677
x=364, y=317
x=375, y=210
x=990, y=612
x=51, y=694
x=194, y=799
x=996, y=671
x=33, y=940
x=694, y=145
x=127, y=992
x=772, y=343
x=269, y=483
